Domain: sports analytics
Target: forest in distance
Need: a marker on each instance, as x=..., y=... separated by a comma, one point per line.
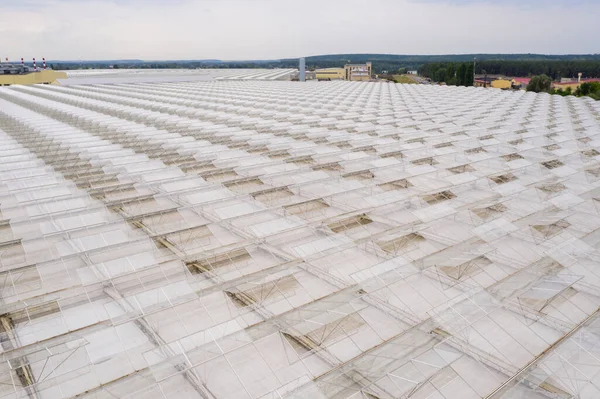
x=440, y=71
x=515, y=65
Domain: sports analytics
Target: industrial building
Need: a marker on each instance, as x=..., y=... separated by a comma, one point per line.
x=358, y=72
x=11, y=74
x=331, y=74
x=352, y=72
x=269, y=239
x=497, y=82
x=573, y=84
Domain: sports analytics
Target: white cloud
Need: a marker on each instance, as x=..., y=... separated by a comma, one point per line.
x=268, y=29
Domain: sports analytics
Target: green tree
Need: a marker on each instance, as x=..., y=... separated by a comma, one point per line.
x=440, y=75
x=460, y=75
x=469, y=78
x=451, y=74
x=540, y=83
x=590, y=89
x=585, y=89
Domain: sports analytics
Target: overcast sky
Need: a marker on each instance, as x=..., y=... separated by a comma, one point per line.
x=271, y=29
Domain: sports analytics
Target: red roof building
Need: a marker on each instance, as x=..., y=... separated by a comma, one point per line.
x=522, y=81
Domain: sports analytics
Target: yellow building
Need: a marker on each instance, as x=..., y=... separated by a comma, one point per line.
x=330, y=73
x=42, y=77
x=496, y=83
x=356, y=72
x=503, y=83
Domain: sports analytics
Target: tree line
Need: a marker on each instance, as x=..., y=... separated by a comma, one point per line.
x=452, y=73
x=554, y=69
x=421, y=59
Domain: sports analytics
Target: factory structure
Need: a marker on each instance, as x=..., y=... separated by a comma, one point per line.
x=241, y=239
x=20, y=74
x=351, y=72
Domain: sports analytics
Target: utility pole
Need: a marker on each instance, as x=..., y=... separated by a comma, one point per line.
x=474, y=60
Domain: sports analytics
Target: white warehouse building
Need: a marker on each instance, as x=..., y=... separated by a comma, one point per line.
x=270, y=239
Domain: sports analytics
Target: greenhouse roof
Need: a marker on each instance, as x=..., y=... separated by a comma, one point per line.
x=241, y=238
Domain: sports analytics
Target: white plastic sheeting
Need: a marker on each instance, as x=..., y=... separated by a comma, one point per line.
x=140, y=76
x=252, y=239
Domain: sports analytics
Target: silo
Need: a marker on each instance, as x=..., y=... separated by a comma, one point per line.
x=302, y=70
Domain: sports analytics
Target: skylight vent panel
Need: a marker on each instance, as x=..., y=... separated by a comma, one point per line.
x=329, y=167
x=350, y=223
x=552, y=188
x=301, y=161
x=213, y=263
x=462, y=169
x=425, y=161
x=591, y=153
x=393, y=154
x=219, y=176
x=466, y=269
x=401, y=244
x=551, y=147
x=326, y=334
x=512, y=157
x=306, y=207
x=476, y=150
x=245, y=186
x=396, y=185
x=436, y=198
x=505, y=178
x=420, y=140
x=552, y=164
x=253, y=294
x=360, y=176
x=278, y=155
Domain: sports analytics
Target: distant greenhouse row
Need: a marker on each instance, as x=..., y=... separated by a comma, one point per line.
x=117, y=76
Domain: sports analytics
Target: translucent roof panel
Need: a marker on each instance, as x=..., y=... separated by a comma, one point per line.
x=233, y=234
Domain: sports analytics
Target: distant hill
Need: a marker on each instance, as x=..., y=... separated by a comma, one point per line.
x=452, y=57
x=364, y=58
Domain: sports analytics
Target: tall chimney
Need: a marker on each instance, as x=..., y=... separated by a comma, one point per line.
x=44, y=62
x=22, y=62
x=579, y=77
x=302, y=70
x=34, y=65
